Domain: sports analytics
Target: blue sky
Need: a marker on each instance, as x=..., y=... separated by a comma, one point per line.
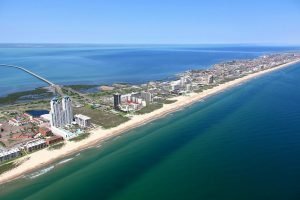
x=150, y=21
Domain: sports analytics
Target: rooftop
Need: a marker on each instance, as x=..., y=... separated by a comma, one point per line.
x=82, y=117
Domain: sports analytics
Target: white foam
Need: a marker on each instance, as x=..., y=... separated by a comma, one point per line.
x=77, y=155
x=40, y=172
x=64, y=161
x=116, y=138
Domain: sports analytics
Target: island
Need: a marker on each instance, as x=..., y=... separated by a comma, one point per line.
x=40, y=126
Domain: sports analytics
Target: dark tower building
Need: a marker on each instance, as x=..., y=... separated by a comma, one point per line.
x=117, y=101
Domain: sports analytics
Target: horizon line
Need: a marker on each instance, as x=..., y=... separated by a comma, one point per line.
x=97, y=43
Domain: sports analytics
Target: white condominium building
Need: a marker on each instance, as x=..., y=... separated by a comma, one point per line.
x=61, y=112
x=56, y=113
x=147, y=96
x=67, y=108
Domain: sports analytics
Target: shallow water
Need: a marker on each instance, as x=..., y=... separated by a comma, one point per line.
x=240, y=144
x=99, y=64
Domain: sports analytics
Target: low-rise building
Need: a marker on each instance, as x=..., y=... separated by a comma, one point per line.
x=37, y=121
x=30, y=117
x=54, y=139
x=44, y=131
x=46, y=117
x=14, y=122
x=67, y=135
x=9, y=154
x=35, y=145
x=82, y=120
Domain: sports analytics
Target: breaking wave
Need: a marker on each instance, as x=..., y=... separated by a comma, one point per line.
x=40, y=172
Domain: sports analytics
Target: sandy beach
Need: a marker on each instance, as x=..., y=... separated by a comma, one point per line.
x=45, y=157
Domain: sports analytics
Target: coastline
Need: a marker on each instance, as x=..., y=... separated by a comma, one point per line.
x=44, y=157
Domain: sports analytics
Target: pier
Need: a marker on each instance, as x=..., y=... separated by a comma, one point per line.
x=29, y=72
x=56, y=88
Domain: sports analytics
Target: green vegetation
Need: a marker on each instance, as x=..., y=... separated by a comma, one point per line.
x=204, y=87
x=12, y=98
x=56, y=146
x=70, y=93
x=81, y=87
x=228, y=79
x=150, y=108
x=103, y=93
x=80, y=137
x=130, y=90
x=168, y=101
x=7, y=166
x=39, y=102
x=2, y=119
x=111, y=92
x=120, y=84
x=102, y=118
x=2, y=144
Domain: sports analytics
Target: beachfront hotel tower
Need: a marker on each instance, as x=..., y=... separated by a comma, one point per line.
x=61, y=112
x=56, y=113
x=67, y=109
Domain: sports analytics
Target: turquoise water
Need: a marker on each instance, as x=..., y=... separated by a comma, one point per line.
x=240, y=144
x=99, y=64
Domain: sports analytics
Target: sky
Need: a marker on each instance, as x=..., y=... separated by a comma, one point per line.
x=150, y=21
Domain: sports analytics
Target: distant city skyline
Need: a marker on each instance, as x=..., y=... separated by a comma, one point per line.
x=151, y=22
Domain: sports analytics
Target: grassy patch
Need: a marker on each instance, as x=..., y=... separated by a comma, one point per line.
x=225, y=80
x=111, y=92
x=80, y=137
x=150, y=108
x=7, y=166
x=104, y=93
x=204, y=87
x=12, y=98
x=70, y=93
x=169, y=101
x=81, y=87
x=2, y=144
x=198, y=90
x=56, y=146
x=102, y=118
x=2, y=119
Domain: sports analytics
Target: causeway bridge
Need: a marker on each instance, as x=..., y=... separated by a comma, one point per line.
x=29, y=72
x=56, y=88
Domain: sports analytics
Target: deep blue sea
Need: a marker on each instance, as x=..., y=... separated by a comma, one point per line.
x=241, y=144
x=107, y=64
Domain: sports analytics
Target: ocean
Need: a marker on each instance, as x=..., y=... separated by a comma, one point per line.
x=242, y=143
x=107, y=64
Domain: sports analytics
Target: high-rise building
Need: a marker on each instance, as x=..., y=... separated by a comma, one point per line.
x=188, y=87
x=210, y=79
x=56, y=112
x=67, y=109
x=61, y=112
x=147, y=96
x=182, y=81
x=117, y=101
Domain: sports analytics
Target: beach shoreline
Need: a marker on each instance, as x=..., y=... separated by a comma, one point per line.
x=45, y=157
